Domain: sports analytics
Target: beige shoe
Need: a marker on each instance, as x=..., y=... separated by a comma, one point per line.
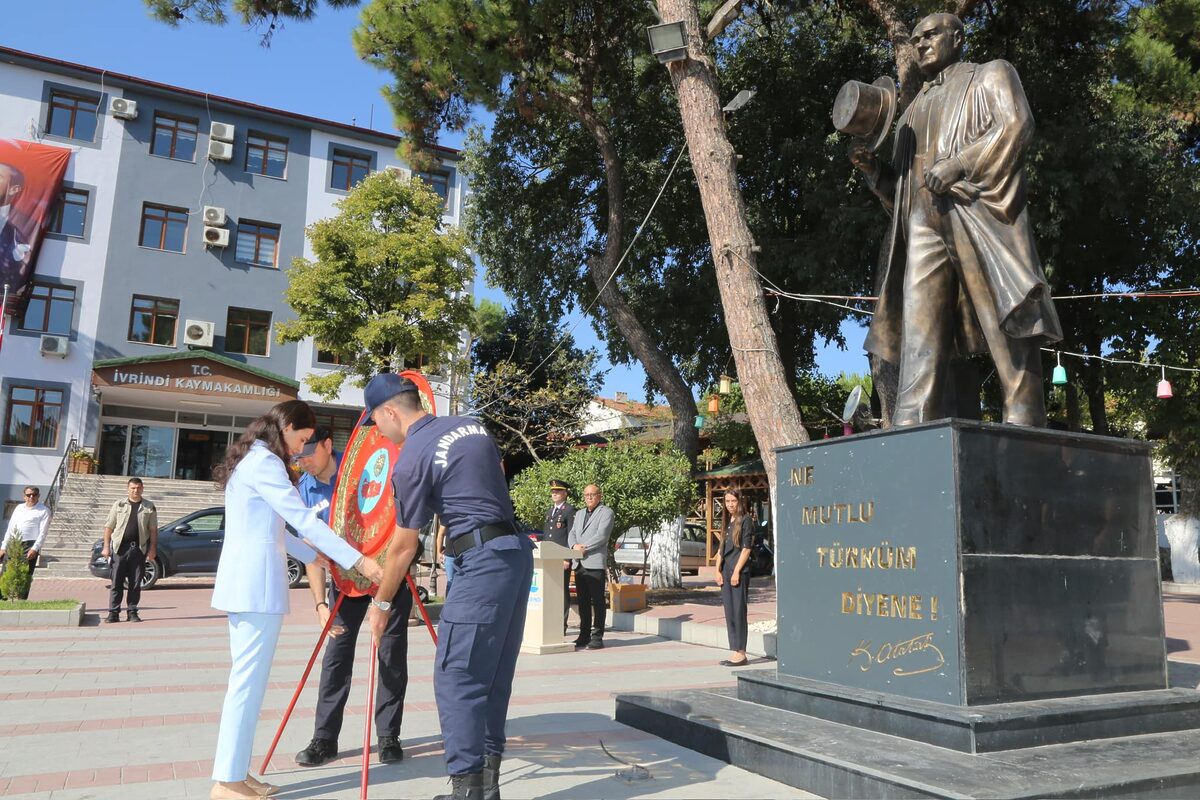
x=260, y=788
x=232, y=791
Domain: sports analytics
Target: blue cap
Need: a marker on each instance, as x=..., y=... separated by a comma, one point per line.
x=384, y=387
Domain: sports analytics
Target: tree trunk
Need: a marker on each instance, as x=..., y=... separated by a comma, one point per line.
x=656, y=363
x=1074, y=413
x=664, y=556
x=771, y=407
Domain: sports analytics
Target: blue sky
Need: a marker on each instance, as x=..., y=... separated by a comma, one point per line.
x=310, y=69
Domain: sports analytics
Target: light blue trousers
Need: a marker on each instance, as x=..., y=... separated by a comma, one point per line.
x=252, y=639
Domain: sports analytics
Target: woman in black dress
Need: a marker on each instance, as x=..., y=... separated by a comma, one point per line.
x=733, y=574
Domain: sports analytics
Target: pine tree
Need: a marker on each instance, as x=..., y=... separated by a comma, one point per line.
x=16, y=578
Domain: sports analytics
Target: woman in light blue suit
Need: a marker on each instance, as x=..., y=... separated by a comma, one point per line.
x=251, y=585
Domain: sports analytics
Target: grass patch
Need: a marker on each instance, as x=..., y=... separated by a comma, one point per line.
x=37, y=605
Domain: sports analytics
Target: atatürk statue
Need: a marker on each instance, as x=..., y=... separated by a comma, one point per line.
x=960, y=273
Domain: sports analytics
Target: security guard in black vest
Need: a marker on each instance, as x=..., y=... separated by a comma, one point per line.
x=557, y=526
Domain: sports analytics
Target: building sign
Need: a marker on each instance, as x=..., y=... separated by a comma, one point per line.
x=31, y=178
x=198, y=376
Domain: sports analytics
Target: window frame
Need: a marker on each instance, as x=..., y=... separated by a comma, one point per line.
x=154, y=317
x=176, y=119
x=9, y=387
x=246, y=322
x=82, y=101
x=166, y=220
x=443, y=172
x=46, y=313
x=350, y=156
x=317, y=351
x=268, y=140
x=259, y=238
x=58, y=215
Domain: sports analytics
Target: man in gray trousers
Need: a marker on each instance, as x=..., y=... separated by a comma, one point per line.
x=589, y=537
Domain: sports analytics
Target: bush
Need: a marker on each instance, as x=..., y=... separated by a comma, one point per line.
x=16, y=578
x=645, y=485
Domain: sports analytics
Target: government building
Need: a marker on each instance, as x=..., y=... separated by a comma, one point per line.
x=147, y=337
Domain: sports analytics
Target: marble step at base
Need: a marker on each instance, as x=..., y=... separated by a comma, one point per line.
x=834, y=760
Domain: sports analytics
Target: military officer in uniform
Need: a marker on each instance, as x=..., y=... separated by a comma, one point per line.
x=450, y=466
x=558, y=524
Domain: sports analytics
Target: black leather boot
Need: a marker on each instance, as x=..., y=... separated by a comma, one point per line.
x=464, y=787
x=491, y=778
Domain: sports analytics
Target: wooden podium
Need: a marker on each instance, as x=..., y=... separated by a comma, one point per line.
x=544, y=619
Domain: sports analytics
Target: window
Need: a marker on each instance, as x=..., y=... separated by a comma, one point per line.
x=257, y=243
x=174, y=137
x=163, y=228
x=72, y=116
x=70, y=214
x=247, y=331
x=348, y=169
x=439, y=182
x=327, y=356
x=50, y=309
x=207, y=523
x=266, y=155
x=340, y=426
x=32, y=416
x=153, y=320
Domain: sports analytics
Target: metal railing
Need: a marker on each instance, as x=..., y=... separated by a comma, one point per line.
x=60, y=476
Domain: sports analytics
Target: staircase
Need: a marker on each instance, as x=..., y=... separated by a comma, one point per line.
x=83, y=506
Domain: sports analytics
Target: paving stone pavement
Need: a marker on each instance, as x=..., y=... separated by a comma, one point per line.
x=130, y=711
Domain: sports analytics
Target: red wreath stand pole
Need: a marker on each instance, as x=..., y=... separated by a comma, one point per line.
x=303, y=678
x=412, y=587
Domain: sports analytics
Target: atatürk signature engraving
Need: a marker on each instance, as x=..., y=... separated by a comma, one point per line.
x=891, y=651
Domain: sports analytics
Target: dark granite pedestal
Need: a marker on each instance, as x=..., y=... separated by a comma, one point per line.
x=965, y=610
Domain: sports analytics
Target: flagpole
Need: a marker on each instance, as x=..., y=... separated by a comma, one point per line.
x=3, y=314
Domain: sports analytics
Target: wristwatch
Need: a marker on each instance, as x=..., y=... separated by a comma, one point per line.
x=382, y=605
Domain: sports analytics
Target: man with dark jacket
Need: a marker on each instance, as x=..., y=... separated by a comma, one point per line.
x=558, y=523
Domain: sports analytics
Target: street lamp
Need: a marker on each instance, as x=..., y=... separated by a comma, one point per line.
x=668, y=41
x=739, y=100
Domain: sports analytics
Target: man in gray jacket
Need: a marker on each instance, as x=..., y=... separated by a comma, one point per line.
x=589, y=536
x=130, y=540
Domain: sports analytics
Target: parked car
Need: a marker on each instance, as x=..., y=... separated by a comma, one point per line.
x=631, y=551
x=191, y=545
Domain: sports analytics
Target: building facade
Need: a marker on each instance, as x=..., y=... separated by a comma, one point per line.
x=148, y=337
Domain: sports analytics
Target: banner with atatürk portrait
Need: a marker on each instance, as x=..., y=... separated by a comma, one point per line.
x=31, y=177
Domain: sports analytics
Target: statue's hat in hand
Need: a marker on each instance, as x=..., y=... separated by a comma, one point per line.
x=866, y=110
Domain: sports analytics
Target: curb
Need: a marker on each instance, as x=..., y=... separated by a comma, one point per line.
x=65, y=618
x=1180, y=588
x=757, y=644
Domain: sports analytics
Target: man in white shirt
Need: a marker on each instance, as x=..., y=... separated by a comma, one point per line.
x=29, y=524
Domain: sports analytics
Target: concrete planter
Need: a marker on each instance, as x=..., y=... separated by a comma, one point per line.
x=435, y=613
x=63, y=618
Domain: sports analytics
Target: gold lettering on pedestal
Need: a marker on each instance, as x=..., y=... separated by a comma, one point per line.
x=870, y=656
x=837, y=513
x=800, y=476
x=883, y=556
x=879, y=604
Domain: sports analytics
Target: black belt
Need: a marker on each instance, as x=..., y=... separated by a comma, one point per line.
x=461, y=544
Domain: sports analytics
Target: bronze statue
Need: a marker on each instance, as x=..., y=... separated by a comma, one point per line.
x=959, y=272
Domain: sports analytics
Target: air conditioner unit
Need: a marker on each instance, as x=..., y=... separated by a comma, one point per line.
x=121, y=108
x=198, y=333
x=214, y=215
x=55, y=346
x=216, y=237
x=220, y=151
x=221, y=131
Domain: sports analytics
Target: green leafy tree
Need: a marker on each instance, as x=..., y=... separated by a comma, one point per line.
x=531, y=386
x=389, y=282
x=647, y=486
x=16, y=578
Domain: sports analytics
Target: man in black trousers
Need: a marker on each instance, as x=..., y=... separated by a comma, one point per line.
x=320, y=465
x=558, y=523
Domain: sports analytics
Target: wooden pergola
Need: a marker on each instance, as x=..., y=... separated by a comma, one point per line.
x=748, y=477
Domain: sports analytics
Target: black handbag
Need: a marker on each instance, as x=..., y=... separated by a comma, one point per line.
x=762, y=558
